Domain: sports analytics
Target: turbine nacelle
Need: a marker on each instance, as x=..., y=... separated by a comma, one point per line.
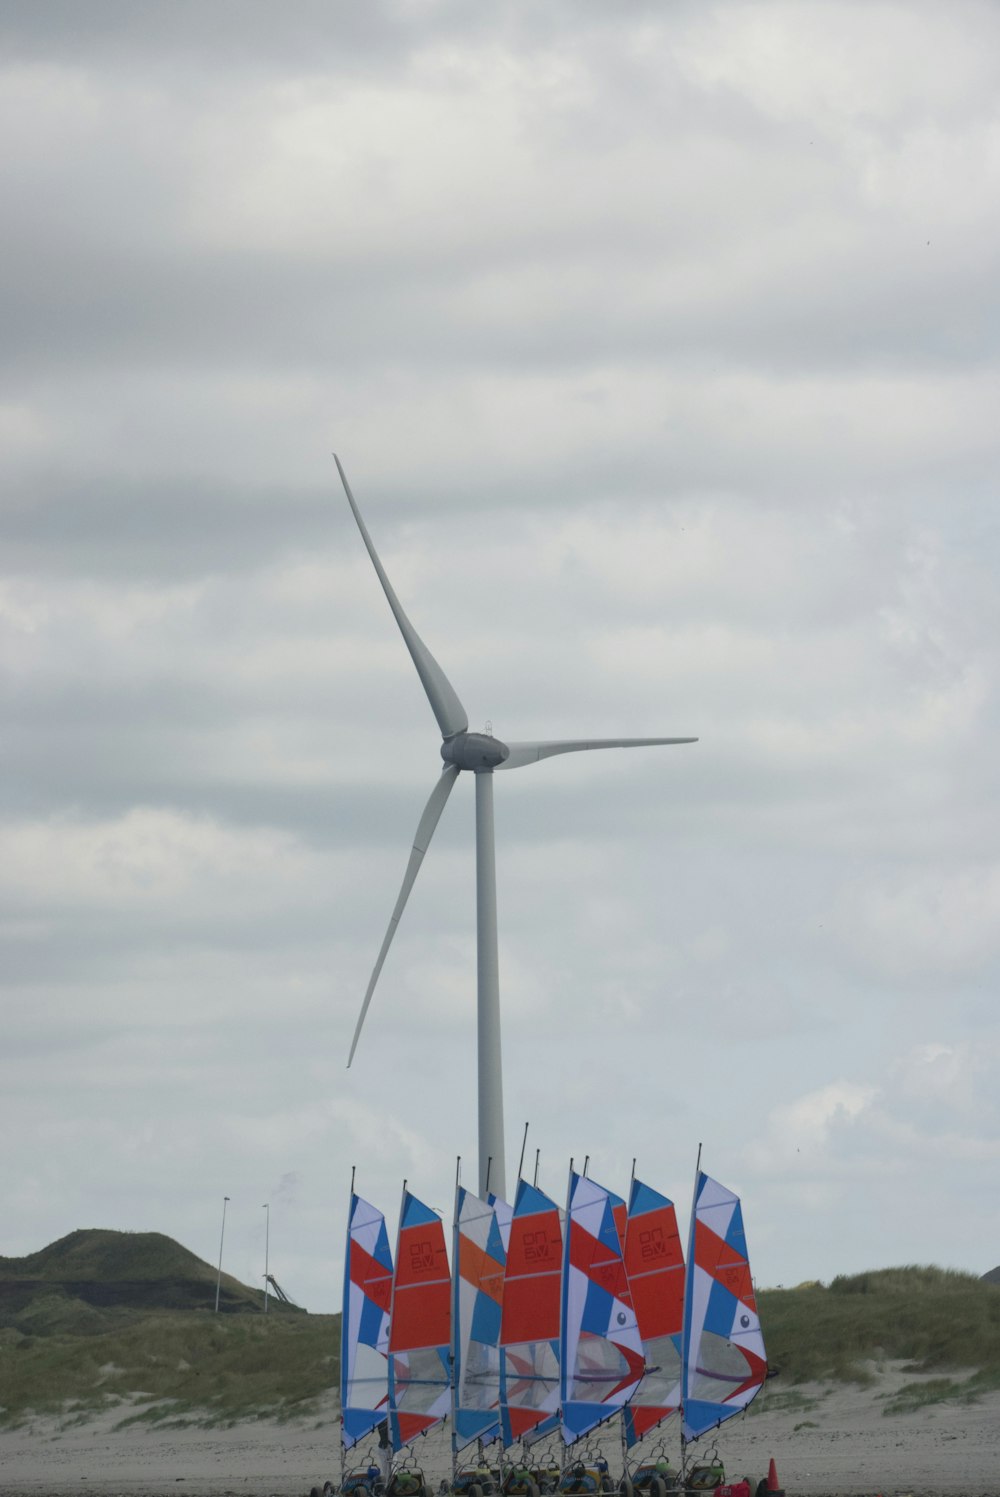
x=475, y=751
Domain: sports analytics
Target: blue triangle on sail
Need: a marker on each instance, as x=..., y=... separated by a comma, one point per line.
x=416, y=1214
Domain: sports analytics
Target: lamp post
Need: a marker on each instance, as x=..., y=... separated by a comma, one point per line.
x=267, y=1244
x=222, y=1238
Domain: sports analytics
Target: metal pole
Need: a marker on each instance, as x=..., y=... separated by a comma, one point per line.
x=344, y=1329
x=454, y=1349
x=490, y=1057
x=267, y=1245
x=688, y=1280
x=524, y=1142
x=222, y=1238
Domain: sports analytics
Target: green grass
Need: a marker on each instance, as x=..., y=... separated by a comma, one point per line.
x=916, y=1396
x=183, y=1365
x=102, y=1268
x=64, y=1351
x=99, y=1253
x=933, y=1318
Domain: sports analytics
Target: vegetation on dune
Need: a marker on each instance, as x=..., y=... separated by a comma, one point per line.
x=75, y=1350
x=100, y=1253
x=97, y=1267
x=933, y=1319
x=104, y=1319
x=192, y=1367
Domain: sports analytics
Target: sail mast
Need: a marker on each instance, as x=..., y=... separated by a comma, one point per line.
x=344, y=1322
x=456, y=1249
x=688, y=1282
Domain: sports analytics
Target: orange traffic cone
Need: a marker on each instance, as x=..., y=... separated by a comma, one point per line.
x=772, y=1478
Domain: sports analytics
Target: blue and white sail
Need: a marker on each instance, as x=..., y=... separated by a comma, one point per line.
x=364, y=1326
x=601, y=1355
x=479, y=1259
x=725, y=1364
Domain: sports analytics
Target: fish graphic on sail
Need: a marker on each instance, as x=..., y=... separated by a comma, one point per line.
x=724, y=1360
x=654, y=1262
x=529, y=1320
x=477, y=1292
x=419, y=1325
x=601, y=1353
x=364, y=1326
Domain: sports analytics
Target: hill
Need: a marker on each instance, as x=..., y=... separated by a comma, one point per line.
x=102, y=1269
x=932, y=1320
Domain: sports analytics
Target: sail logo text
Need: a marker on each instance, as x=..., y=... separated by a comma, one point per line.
x=651, y=1243
x=421, y=1256
x=537, y=1248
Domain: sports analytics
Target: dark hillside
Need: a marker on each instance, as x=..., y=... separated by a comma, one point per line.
x=993, y=1277
x=106, y=1269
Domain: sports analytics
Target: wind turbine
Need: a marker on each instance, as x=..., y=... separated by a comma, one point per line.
x=481, y=754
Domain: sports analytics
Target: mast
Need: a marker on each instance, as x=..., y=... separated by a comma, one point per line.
x=520, y=1166
x=562, y=1306
x=621, y=1418
x=686, y=1336
x=344, y=1322
x=455, y=1291
x=391, y=1401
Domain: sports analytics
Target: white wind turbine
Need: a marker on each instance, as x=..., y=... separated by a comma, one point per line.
x=482, y=754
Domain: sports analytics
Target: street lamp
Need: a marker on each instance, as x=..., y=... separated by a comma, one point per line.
x=222, y=1238
x=267, y=1244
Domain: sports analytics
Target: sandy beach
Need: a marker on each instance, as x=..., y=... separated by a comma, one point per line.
x=839, y=1446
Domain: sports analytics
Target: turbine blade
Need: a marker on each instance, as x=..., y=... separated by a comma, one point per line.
x=421, y=842
x=447, y=708
x=530, y=753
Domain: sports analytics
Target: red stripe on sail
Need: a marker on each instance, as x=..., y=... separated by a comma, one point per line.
x=374, y=1280
x=726, y=1266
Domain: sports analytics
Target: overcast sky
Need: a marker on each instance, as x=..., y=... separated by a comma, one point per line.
x=661, y=344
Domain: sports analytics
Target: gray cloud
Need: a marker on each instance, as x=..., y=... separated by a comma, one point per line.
x=661, y=348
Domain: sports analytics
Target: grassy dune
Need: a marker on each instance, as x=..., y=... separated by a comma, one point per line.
x=182, y=1366
x=70, y=1348
x=933, y=1320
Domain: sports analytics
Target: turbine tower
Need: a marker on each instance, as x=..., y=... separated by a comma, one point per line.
x=480, y=754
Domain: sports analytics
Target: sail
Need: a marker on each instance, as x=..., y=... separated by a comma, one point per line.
x=654, y=1262
x=419, y=1326
x=477, y=1291
x=504, y=1215
x=529, y=1321
x=724, y=1359
x=601, y=1356
x=364, y=1326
